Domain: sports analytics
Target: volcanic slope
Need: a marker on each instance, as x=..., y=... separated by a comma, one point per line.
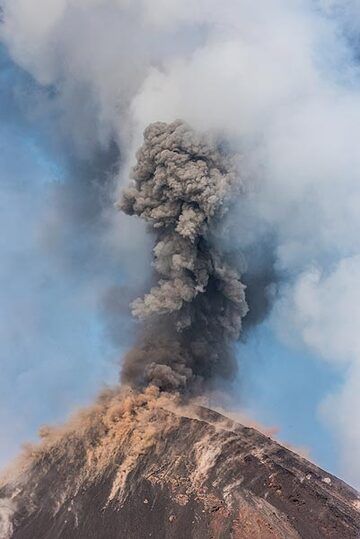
x=139, y=465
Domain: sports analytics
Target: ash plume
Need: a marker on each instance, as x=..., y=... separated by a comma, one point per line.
x=183, y=187
x=281, y=84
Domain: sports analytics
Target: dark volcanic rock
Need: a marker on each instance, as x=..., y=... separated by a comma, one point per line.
x=149, y=471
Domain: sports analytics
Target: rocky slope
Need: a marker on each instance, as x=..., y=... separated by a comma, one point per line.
x=139, y=466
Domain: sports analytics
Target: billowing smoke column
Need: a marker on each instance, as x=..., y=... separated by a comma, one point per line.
x=183, y=186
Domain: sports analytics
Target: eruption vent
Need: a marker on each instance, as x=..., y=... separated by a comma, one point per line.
x=183, y=186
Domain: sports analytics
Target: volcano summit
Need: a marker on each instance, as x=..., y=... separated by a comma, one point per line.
x=139, y=465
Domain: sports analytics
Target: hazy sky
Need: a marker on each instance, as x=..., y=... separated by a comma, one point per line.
x=279, y=81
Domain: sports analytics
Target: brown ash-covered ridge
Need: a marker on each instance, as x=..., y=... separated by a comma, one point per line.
x=139, y=465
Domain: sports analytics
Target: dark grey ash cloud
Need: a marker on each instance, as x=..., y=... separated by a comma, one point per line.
x=183, y=187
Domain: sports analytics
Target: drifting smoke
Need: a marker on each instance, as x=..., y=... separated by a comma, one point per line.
x=183, y=187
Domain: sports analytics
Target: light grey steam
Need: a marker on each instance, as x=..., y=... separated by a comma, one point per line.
x=183, y=185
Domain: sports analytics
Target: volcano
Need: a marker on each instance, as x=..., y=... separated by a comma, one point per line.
x=139, y=466
x=146, y=460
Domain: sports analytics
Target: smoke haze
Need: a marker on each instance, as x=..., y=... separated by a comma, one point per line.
x=278, y=81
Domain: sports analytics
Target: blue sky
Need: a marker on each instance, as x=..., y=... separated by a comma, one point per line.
x=53, y=351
